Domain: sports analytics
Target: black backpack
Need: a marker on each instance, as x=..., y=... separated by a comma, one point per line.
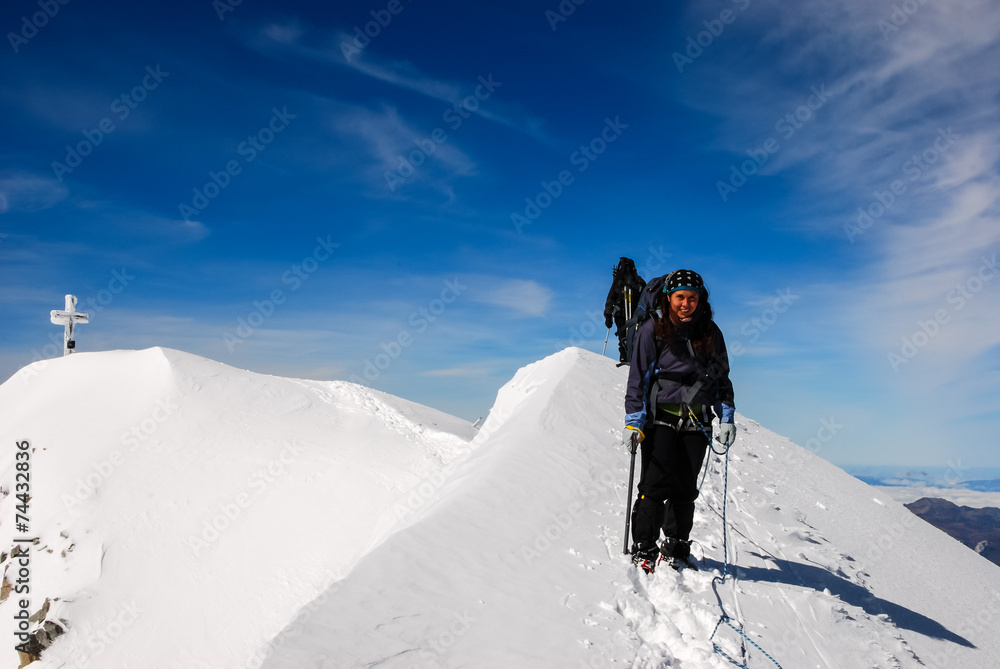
x=625, y=274
x=625, y=279
x=647, y=304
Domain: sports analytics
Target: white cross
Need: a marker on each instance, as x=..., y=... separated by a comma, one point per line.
x=69, y=318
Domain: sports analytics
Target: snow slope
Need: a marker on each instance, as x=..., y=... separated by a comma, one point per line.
x=519, y=563
x=197, y=506
x=247, y=520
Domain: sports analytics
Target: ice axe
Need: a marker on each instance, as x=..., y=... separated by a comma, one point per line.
x=604, y=350
x=633, y=447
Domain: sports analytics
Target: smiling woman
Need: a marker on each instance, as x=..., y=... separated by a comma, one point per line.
x=678, y=378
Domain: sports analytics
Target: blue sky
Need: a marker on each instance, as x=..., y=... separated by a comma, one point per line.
x=426, y=196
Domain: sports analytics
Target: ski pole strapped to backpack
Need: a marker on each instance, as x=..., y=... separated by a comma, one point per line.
x=623, y=297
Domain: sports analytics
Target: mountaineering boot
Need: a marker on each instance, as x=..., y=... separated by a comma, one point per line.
x=678, y=553
x=683, y=563
x=646, y=556
x=676, y=548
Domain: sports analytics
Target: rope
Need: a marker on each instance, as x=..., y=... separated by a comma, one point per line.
x=725, y=618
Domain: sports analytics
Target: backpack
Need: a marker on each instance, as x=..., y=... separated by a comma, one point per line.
x=625, y=274
x=626, y=286
x=647, y=304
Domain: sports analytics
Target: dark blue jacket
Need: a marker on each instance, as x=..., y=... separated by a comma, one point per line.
x=678, y=371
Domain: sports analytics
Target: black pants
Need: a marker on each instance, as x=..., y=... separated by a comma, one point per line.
x=668, y=484
x=621, y=332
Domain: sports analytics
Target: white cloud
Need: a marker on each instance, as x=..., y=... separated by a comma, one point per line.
x=139, y=223
x=24, y=192
x=527, y=298
x=283, y=33
x=895, y=95
x=395, y=150
x=456, y=371
x=290, y=38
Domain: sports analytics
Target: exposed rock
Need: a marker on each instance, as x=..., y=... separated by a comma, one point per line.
x=41, y=638
x=979, y=529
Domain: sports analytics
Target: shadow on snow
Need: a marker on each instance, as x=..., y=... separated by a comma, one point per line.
x=819, y=579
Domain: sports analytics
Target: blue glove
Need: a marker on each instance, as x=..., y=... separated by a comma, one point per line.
x=726, y=435
x=631, y=437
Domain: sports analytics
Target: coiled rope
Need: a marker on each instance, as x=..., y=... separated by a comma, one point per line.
x=717, y=581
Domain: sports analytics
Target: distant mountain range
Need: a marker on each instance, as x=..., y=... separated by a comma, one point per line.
x=980, y=479
x=986, y=485
x=982, y=486
x=979, y=529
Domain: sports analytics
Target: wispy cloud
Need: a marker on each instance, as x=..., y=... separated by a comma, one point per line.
x=25, y=192
x=288, y=33
x=526, y=298
x=456, y=371
x=128, y=221
x=397, y=158
x=290, y=38
x=475, y=97
x=912, y=107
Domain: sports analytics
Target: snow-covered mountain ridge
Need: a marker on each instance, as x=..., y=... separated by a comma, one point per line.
x=176, y=487
x=189, y=514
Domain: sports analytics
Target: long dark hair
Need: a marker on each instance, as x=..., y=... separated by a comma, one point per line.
x=698, y=330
